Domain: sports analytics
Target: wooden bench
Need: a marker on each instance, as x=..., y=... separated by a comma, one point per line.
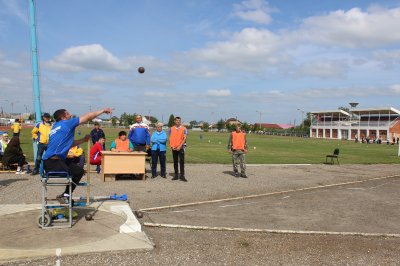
x=114, y=163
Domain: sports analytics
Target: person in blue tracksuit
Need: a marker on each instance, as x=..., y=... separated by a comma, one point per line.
x=139, y=135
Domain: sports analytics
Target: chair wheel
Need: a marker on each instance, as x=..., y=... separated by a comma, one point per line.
x=47, y=220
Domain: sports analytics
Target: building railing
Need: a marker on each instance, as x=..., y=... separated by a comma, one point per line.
x=353, y=123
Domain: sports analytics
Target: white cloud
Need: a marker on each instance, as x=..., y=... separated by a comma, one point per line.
x=388, y=59
x=13, y=8
x=87, y=57
x=155, y=94
x=323, y=69
x=219, y=93
x=250, y=49
x=394, y=89
x=353, y=28
x=257, y=11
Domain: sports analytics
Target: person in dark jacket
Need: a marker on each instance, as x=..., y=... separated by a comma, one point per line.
x=97, y=133
x=13, y=154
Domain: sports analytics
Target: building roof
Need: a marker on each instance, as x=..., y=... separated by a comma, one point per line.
x=382, y=110
x=330, y=112
x=277, y=126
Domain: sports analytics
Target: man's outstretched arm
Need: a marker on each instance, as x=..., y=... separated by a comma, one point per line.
x=91, y=115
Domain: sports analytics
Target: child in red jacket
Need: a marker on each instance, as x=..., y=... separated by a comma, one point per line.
x=95, y=153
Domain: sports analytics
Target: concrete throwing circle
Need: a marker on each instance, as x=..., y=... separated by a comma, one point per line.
x=20, y=231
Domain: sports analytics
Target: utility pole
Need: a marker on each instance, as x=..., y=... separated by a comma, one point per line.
x=35, y=69
x=260, y=118
x=302, y=117
x=35, y=62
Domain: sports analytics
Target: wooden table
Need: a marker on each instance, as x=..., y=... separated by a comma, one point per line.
x=113, y=163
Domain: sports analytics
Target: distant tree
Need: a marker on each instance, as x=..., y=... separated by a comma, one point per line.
x=114, y=120
x=153, y=119
x=307, y=121
x=192, y=123
x=245, y=127
x=127, y=119
x=230, y=127
x=171, y=121
x=205, y=126
x=220, y=124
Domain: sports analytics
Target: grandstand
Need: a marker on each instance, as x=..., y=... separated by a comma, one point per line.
x=383, y=123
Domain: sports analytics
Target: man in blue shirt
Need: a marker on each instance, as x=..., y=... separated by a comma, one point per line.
x=61, y=139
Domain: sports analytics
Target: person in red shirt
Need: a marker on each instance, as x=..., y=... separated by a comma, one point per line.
x=95, y=153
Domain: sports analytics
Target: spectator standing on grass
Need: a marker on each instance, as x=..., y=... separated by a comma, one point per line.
x=121, y=144
x=16, y=128
x=40, y=134
x=237, y=146
x=177, y=142
x=139, y=135
x=97, y=133
x=61, y=140
x=158, y=150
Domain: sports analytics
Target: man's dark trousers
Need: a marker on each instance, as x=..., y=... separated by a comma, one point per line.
x=181, y=156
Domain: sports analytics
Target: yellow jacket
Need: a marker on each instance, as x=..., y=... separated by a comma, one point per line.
x=16, y=127
x=40, y=132
x=74, y=152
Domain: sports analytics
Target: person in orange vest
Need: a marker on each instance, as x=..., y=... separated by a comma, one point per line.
x=237, y=146
x=121, y=143
x=177, y=142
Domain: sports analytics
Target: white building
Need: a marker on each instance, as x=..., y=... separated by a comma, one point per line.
x=374, y=123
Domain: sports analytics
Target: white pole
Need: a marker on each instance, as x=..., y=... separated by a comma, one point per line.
x=398, y=153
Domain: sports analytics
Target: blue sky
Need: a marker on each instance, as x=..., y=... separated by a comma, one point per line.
x=204, y=60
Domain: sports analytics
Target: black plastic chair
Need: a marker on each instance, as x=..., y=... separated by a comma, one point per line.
x=333, y=156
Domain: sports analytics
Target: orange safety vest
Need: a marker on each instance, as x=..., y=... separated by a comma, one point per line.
x=238, y=140
x=122, y=145
x=176, y=136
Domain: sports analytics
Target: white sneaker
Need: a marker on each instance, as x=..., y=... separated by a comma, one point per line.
x=19, y=173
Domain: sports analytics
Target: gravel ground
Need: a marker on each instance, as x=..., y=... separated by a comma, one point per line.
x=208, y=182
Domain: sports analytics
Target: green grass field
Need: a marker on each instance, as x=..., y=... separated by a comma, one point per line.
x=263, y=149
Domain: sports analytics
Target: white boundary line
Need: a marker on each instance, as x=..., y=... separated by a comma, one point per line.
x=283, y=164
x=265, y=194
x=195, y=227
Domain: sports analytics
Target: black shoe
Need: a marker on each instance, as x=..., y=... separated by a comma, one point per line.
x=236, y=174
x=243, y=175
x=153, y=176
x=34, y=172
x=182, y=178
x=163, y=176
x=175, y=177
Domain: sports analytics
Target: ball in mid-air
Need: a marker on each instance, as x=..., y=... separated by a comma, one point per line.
x=141, y=70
